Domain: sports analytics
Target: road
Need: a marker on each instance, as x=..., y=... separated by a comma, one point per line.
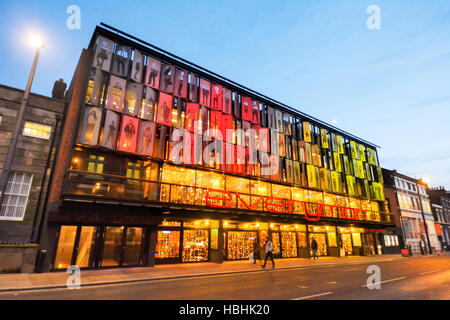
x=405, y=279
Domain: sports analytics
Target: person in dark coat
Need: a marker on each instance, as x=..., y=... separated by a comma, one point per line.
x=268, y=246
x=314, y=249
x=256, y=251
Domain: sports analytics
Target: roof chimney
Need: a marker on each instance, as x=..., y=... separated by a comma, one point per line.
x=58, y=89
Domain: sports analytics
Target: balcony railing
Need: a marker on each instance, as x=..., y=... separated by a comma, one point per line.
x=110, y=186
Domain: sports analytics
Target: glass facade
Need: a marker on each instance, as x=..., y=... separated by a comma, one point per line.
x=189, y=146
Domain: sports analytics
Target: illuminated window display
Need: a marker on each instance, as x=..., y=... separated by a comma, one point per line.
x=289, y=244
x=321, y=243
x=133, y=99
x=115, y=98
x=276, y=243
x=346, y=243
x=302, y=242
x=240, y=244
x=195, y=245
x=96, y=87
x=168, y=244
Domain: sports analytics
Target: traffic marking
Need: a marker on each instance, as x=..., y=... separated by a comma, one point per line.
x=385, y=281
x=428, y=272
x=314, y=295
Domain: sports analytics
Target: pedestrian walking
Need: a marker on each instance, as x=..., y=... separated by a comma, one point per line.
x=268, y=245
x=314, y=249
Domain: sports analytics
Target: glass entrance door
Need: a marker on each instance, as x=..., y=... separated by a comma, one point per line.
x=86, y=245
x=112, y=246
x=132, y=248
x=122, y=246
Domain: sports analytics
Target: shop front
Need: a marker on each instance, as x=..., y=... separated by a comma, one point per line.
x=100, y=246
x=350, y=241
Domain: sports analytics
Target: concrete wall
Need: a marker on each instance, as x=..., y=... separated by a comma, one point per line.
x=18, y=258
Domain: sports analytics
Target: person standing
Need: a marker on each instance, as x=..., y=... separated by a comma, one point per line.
x=256, y=251
x=314, y=249
x=268, y=245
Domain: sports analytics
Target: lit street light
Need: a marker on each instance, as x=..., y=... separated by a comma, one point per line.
x=37, y=43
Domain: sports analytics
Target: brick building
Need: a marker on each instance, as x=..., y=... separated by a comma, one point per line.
x=25, y=194
x=440, y=204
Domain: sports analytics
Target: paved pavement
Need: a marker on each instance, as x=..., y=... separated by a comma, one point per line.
x=199, y=272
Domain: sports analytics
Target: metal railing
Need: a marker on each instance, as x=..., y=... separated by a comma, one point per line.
x=109, y=186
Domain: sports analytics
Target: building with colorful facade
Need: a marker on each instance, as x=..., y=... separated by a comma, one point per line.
x=163, y=161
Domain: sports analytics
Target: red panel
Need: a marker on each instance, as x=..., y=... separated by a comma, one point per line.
x=216, y=97
x=227, y=101
x=191, y=115
x=215, y=125
x=246, y=109
x=239, y=159
x=164, y=109
x=246, y=126
x=146, y=139
x=205, y=92
x=255, y=112
x=228, y=157
x=227, y=124
x=264, y=142
x=181, y=83
x=188, y=147
x=193, y=88
x=128, y=134
x=167, y=81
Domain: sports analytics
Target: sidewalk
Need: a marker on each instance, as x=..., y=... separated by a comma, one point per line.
x=34, y=281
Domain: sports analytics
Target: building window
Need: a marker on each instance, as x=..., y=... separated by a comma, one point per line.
x=16, y=196
x=36, y=130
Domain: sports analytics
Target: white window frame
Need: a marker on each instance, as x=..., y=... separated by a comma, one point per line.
x=7, y=201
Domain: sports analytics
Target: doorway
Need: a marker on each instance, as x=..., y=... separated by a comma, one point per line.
x=346, y=242
x=122, y=246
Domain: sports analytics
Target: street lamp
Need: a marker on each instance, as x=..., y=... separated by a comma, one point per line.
x=36, y=42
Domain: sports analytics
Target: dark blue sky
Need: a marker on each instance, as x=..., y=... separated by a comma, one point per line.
x=388, y=86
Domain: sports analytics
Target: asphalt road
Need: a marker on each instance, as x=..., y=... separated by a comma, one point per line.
x=408, y=278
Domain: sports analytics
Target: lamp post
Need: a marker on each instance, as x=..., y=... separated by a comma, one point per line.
x=36, y=42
